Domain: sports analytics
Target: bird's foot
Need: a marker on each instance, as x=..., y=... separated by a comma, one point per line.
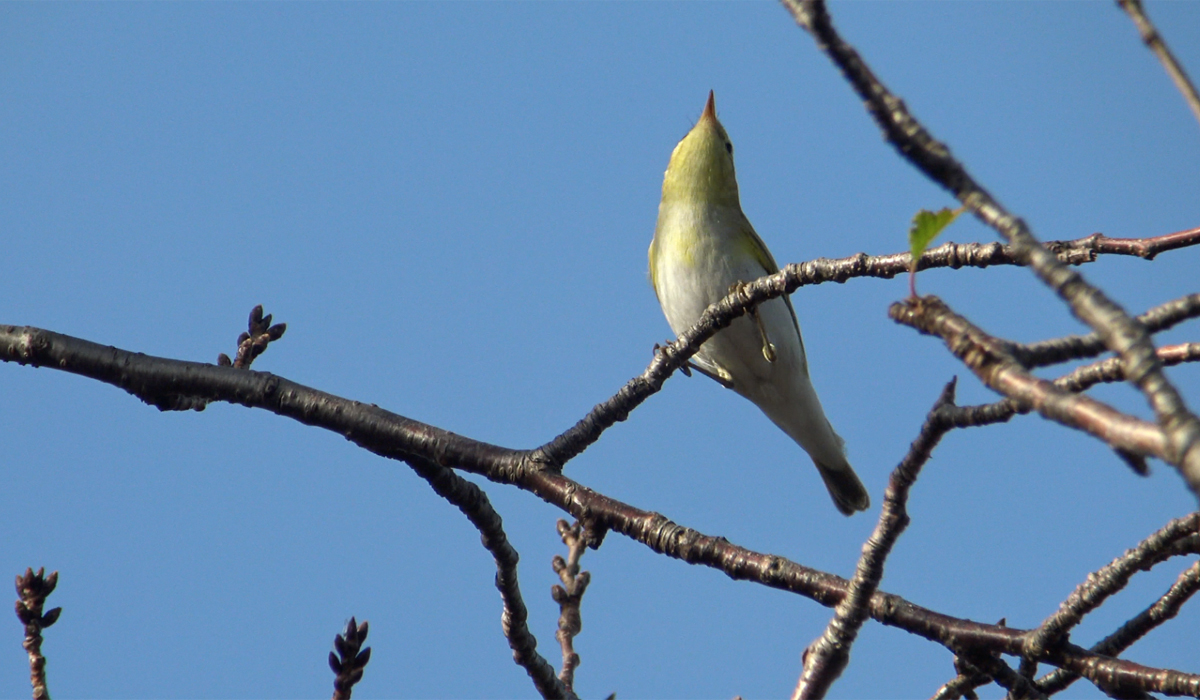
x=723, y=378
x=768, y=348
x=686, y=367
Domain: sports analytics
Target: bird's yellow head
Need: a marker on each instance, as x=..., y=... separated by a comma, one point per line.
x=701, y=167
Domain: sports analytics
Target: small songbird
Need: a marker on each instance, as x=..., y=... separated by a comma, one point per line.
x=703, y=247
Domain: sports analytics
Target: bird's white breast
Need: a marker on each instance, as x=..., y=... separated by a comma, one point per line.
x=698, y=259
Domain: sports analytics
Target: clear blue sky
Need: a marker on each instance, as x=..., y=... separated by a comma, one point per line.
x=449, y=205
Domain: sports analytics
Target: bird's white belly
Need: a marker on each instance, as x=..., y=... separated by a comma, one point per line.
x=736, y=352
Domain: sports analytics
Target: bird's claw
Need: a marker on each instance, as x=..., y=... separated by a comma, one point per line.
x=724, y=378
x=686, y=367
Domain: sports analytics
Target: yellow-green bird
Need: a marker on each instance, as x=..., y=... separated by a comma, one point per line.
x=703, y=246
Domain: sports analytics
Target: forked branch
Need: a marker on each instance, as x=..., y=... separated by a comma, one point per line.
x=588, y=430
x=991, y=361
x=32, y=590
x=1121, y=334
x=826, y=658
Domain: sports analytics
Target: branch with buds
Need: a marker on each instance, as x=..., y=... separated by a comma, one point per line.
x=32, y=591
x=350, y=658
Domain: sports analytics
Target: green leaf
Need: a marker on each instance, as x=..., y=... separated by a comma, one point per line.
x=926, y=225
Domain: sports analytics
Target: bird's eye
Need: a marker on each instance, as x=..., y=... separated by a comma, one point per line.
x=729, y=147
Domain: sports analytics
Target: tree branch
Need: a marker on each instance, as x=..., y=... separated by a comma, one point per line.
x=1155, y=43
x=569, y=596
x=1113, y=369
x=991, y=666
x=1110, y=370
x=425, y=447
x=961, y=686
x=828, y=655
x=991, y=361
x=588, y=430
x=1082, y=378
x=350, y=660
x=33, y=589
x=1163, y=609
x=1101, y=584
x=1121, y=334
x=1074, y=347
x=473, y=502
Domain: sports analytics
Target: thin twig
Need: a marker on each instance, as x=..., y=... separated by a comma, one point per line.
x=1081, y=378
x=1121, y=333
x=990, y=360
x=828, y=655
x=1005, y=677
x=1087, y=248
x=1110, y=370
x=1113, y=369
x=975, y=670
x=32, y=589
x=1074, y=347
x=1156, y=44
x=1105, y=582
x=964, y=684
x=1161, y=610
x=259, y=334
x=569, y=596
x=961, y=686
x=350, y=660
x=474, y=503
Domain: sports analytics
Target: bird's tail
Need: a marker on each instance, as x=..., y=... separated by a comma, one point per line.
x=799, y=414
x=848, y=493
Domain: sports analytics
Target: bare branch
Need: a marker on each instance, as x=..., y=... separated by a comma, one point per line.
x=981, y=255
x=260, y=333
x=675, y=356
x=1121, y=333
x=1110, y=370
x=474, y=503
x=1155, y=43
x=663, y=536
x=569, y=596
x=1135, y=683
x=1163, y=609
x=33, y=589
x=1090, y=594
x=1097, y=243
x=1074, y=347
x=1000, y=672
x=827, y=656
x=350, y=660
x=1113, y=370
x=427, y=448
x=991, y=361
x=433, y=452
x=1183, y=547
x=964, y=684
x=960, y=687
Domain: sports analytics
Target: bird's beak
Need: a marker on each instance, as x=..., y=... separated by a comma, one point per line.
x=710, y=108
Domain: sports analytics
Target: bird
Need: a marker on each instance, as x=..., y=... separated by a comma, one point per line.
x=703, y=248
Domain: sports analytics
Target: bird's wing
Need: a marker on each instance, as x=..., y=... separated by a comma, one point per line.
x=653, y=280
